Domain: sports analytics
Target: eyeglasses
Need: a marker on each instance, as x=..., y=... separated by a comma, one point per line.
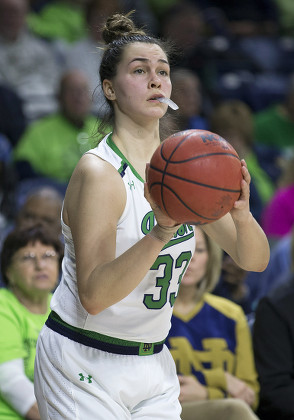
x=31, y=258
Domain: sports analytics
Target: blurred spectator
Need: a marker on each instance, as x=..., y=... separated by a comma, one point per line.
x=52, y=146
x=143, y=14
x=37, y=5
x=12, y=119
x=250, y=18
x=187, y=94
x=27, y=64
x=273, y=340
x=277, y=272
x=66, y=20
x=8, y=183
x=233, y=120
x=204, y=42
x=41, y=206
x=286, y=17
x=209, y=339
x=30, y=264
x=159, y=8
x=274, y=126
x=233, y=285
x=183, y=24
x=86, y=54
x=59, y=20
x=247, y=288
x=278, y=215
x=225, y=409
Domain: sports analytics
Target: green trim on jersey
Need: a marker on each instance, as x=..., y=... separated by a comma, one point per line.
x=97, y=336
x=114, y=147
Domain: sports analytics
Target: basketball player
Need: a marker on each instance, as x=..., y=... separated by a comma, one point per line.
x=101, y=354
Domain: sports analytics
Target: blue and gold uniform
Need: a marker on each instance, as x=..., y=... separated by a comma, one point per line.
x=210, y=340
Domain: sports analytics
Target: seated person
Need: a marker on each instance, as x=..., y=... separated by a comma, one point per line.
x=273, y=341
x=28, y=64
x=59, y=20
x=85, y=54
x=274, y=125
x=246, y=288
x=209, y=339
x=12, y=119
x=52, y=146
x=30, y=265
x=8, y=186
x=41, y=206
x=187, y=94
x=233, y=120
x=278, y=215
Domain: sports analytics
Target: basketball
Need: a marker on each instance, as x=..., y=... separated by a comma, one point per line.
x=195, y=177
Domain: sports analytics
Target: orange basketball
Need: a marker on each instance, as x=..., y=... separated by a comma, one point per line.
x=195, y=177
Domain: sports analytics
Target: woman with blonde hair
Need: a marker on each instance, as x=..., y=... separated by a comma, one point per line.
x=210, y=342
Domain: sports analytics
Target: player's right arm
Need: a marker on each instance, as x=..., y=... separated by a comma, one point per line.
x=239, y=234
x=94, y=202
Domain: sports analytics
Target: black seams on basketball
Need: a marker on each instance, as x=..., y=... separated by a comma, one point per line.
x=195, y=176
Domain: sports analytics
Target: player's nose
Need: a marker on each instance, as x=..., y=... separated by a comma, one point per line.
x=154, y=81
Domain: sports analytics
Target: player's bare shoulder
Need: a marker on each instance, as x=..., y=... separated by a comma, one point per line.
x=91, y=166
x=94, y=180
x=94, y=171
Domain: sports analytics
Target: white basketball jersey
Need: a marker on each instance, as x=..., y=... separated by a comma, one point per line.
x=144, y=315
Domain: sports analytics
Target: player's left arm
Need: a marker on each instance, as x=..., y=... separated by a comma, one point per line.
x=239, y=234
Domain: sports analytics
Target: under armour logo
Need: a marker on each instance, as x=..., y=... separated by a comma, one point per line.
x=83, y=378
x=131, y=185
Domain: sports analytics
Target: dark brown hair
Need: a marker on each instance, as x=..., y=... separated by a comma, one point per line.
x=118, y=32
x=20, y=237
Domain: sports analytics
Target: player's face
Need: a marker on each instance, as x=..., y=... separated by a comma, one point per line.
x=196, y=270
x=34, y=270
x=142, y=75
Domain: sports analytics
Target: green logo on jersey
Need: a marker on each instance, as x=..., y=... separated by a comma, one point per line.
x=131, y=185
x=184, y=233
x=83, y=378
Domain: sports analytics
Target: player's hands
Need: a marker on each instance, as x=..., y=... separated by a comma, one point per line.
x=191, y=389
x=239, y=389
x=241, y=210
x=161, y=218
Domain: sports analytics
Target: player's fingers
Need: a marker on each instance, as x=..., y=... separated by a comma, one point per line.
x=147, y=194
x=146, y=171
x=245, y=172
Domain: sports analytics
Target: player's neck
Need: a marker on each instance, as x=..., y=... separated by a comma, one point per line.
x=137, y=144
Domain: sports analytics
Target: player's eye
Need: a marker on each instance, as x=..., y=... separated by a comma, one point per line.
x=163, y=73
x=139, y=71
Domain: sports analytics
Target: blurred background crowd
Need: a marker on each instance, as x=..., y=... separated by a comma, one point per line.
x=233, y=75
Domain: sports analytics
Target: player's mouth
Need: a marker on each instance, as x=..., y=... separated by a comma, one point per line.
x=155, y=98
x=167, y=101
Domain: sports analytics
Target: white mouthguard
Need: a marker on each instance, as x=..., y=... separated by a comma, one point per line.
x=169, y=102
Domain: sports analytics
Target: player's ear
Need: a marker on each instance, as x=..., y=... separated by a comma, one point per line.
x=108, y=90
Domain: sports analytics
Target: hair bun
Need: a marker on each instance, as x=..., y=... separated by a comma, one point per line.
x=118, y=26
